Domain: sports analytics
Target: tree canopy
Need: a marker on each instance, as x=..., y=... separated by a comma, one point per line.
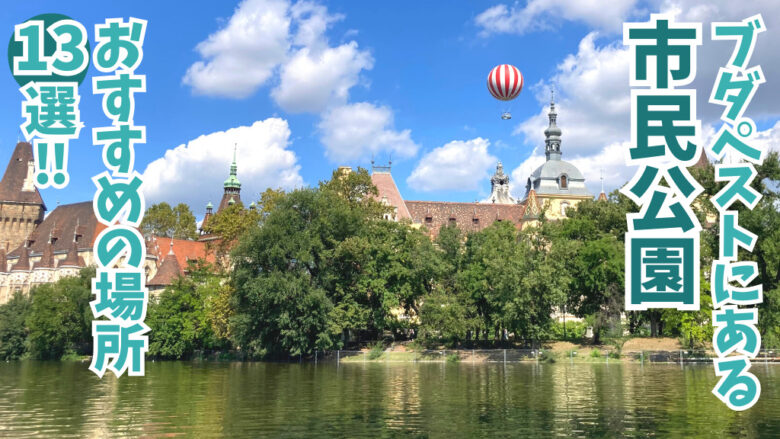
x=170, y=222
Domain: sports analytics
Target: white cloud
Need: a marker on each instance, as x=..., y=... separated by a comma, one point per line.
x=610, y=160
x=593, y=100
x=243, y=55
x=768, y=139
x=521, y=173
x=267, y=36
x=548, y=14
x=715, y=54
x=459, y=165
x=355, y=131
x=312, y=80
x=311, y=75
x=593, y=107
x=194, y=172
x=594, y=103
x=315, y=75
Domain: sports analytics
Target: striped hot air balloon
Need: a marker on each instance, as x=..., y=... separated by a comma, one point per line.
x=505, y=82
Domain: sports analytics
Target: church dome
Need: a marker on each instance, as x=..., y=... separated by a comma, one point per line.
x=556, y=168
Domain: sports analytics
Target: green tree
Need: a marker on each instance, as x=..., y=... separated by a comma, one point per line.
x=185, y=227
x=13, y=330
x=497, y=275
x=60, y=319
x=229, y=225
x=764, y=221
x=447, y=313
x=180, y=318
x=323, y=265
x=163, y=220
x=444, y=317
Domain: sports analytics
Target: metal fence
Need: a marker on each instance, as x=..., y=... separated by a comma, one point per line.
x=528, y=355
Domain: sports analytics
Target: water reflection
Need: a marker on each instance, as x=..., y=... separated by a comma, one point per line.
x=379, y=400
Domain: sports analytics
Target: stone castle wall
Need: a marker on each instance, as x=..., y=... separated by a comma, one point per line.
x=17, y=221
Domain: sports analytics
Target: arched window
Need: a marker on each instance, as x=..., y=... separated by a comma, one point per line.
x=564, y=182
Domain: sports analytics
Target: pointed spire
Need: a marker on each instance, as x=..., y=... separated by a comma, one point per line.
x=532, y=207
x=17, y=183
x=23, y=264
x=602, y=195
x=499, y=185
x=552, y=141
x=72, y=259
x=232, y=185
x=232, y=181
x=168, y=271
x=47, y=258
x=602, y=180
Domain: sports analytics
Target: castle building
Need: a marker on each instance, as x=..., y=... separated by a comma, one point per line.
x=35, y=250
x=231, y=195
x=21, y=206
x=555, y=186
x=499, y=187
x=232, y=187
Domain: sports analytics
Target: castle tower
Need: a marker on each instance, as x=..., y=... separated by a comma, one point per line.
x=557, y=184
x=21, y=205
x=232, y=193
x=552, y=135
x=602, y=194
x=499, y=183
x=206, y=217
x=168, y=271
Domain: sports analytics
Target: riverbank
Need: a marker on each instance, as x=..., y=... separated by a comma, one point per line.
x=641, y=350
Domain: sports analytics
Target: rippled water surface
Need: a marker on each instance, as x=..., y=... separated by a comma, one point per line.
x=379, y=400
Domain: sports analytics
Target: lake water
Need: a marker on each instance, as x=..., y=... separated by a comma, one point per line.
x=379, y=400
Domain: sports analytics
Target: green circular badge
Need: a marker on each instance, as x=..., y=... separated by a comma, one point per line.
x=49, y=48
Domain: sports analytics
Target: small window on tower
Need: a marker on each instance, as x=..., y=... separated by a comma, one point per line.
x=428, y=219
x=452, y=220
x=564, y=182
x=475, y=221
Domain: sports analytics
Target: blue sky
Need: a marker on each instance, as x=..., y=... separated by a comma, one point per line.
x=304, y=87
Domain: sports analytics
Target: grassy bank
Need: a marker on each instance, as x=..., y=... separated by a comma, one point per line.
x=667, y=350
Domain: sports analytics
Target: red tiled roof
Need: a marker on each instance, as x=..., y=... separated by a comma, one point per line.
x=467, y=216
x=168, y=271
x=13, y=180
x=387, y=188
x=47, y=258
x=23, y=264
x=184, y=250
x=62, y=223
x=73, y=259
